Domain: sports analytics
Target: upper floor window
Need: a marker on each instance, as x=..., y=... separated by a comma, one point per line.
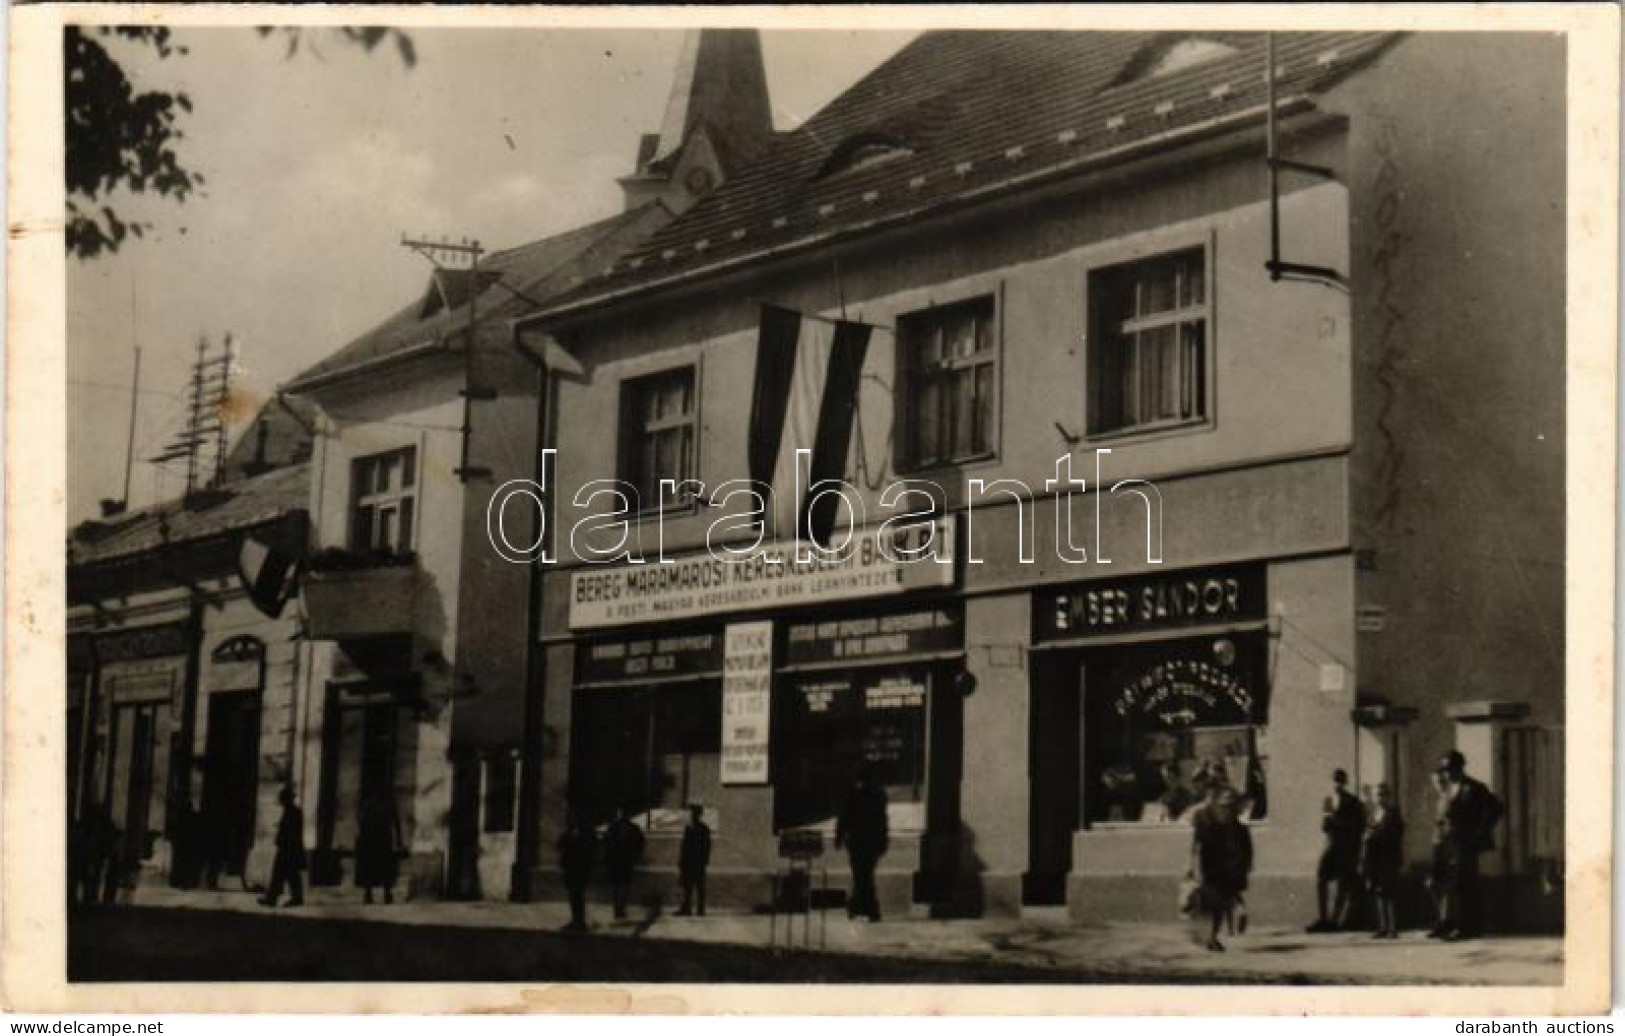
x=657, y=435
x=1148, y=350
x=384, y=487
x=948, y=376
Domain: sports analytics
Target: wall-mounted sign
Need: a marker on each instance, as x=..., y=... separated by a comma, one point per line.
x=873, y=637
x=1159, y=600
x=145, y=642
x=701, y=584
x=143, y=681
x=1371, y=618
x=747, y=691
x=694, y=655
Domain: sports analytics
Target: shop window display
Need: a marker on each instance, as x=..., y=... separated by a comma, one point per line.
x=651, y=751
x=1164, y=723
x=826, y=728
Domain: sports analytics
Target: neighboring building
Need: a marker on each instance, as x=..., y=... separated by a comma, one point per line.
x=182, y=694
x=419, y=629
x=1061, y=239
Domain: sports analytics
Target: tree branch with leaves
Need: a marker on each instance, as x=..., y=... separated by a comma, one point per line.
x=118, y=137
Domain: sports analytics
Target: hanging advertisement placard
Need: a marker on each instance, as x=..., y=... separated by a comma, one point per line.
x=747, y=689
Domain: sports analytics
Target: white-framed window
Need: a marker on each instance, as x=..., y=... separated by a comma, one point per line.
x=384, y=490
x=948, y=377
x=1149, y=343
x=658, y=428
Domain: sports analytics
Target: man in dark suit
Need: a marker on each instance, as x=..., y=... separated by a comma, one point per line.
x=862, y=829
x=578, y=850
x=623, y=848
x=692, y=860
x=1471, y=812
x=1343, y=821
x=288, y=866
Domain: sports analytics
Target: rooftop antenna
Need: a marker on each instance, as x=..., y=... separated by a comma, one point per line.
x=135, y=393
x=436, y=252
x=208, y=391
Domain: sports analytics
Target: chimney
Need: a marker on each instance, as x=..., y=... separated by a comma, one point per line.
x=717, y=118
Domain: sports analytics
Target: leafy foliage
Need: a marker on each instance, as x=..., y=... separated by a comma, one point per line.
x=118, y=138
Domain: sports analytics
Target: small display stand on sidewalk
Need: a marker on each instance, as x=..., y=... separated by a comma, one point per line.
x=793, y=891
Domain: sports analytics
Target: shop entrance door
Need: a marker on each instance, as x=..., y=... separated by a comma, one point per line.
x=136, y=794
x=1054, y=773
x=358, y=763
x=231, y=778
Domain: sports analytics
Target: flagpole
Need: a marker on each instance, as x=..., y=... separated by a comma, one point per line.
x=823, y=319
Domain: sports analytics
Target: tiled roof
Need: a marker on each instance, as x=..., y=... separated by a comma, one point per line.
x=539, y=271
x=242, y=504
x=289, y=424
x=970, y=114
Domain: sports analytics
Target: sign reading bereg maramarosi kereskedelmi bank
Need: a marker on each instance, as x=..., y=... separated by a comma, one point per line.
x=703, y=584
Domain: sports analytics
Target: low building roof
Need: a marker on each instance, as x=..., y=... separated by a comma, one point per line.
x=514, y=281
x=233, y=506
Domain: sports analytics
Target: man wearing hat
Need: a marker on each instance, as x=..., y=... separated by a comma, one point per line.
x=1470, y=812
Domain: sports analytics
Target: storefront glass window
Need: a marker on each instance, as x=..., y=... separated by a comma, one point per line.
x=649, y=750
x=826, y=728
x=1164, y=723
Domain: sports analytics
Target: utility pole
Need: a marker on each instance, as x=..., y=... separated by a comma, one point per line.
x=434, y=251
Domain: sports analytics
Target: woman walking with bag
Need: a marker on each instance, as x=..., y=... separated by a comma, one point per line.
x=1221, y=860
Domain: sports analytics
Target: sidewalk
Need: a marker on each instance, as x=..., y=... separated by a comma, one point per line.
x=1042, y=938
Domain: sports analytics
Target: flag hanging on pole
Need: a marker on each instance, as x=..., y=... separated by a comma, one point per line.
x=805, y=397
x=268, y=574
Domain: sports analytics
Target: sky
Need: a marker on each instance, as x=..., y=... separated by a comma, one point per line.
x=317, y=164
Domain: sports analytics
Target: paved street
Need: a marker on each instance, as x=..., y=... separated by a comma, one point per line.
x=205, y=936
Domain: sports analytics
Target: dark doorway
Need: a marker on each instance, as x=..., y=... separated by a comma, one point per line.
x=358, y=762
x=1055, y=751
x=231, y=780
x=135, y=793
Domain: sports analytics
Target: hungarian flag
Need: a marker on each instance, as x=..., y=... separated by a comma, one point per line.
x=806, y=397
x=268, y=574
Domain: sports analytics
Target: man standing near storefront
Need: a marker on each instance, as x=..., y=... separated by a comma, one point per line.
x=862, y=829
x=623, y=848
x=288, y=865
x=1343, y=821
x=692, y=860
x=577, y=848
x=1470, y=811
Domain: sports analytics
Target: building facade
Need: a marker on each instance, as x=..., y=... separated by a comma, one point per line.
x=1064, y=246
x=182, y=692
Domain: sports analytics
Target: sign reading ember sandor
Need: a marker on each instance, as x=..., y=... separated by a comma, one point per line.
x=704, y=584
x=1158, y=600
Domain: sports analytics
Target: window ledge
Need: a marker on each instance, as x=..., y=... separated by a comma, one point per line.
x=1151, y=431
x=653, y=515
x=972, y=463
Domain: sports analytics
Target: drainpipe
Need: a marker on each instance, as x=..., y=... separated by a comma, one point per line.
x=527, y=842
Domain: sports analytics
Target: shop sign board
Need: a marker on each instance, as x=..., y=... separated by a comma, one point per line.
x=747, y=689
x=650, y=658
x=704, y=584
x=171, y=638
x=1151, y=601
x=873, y=637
